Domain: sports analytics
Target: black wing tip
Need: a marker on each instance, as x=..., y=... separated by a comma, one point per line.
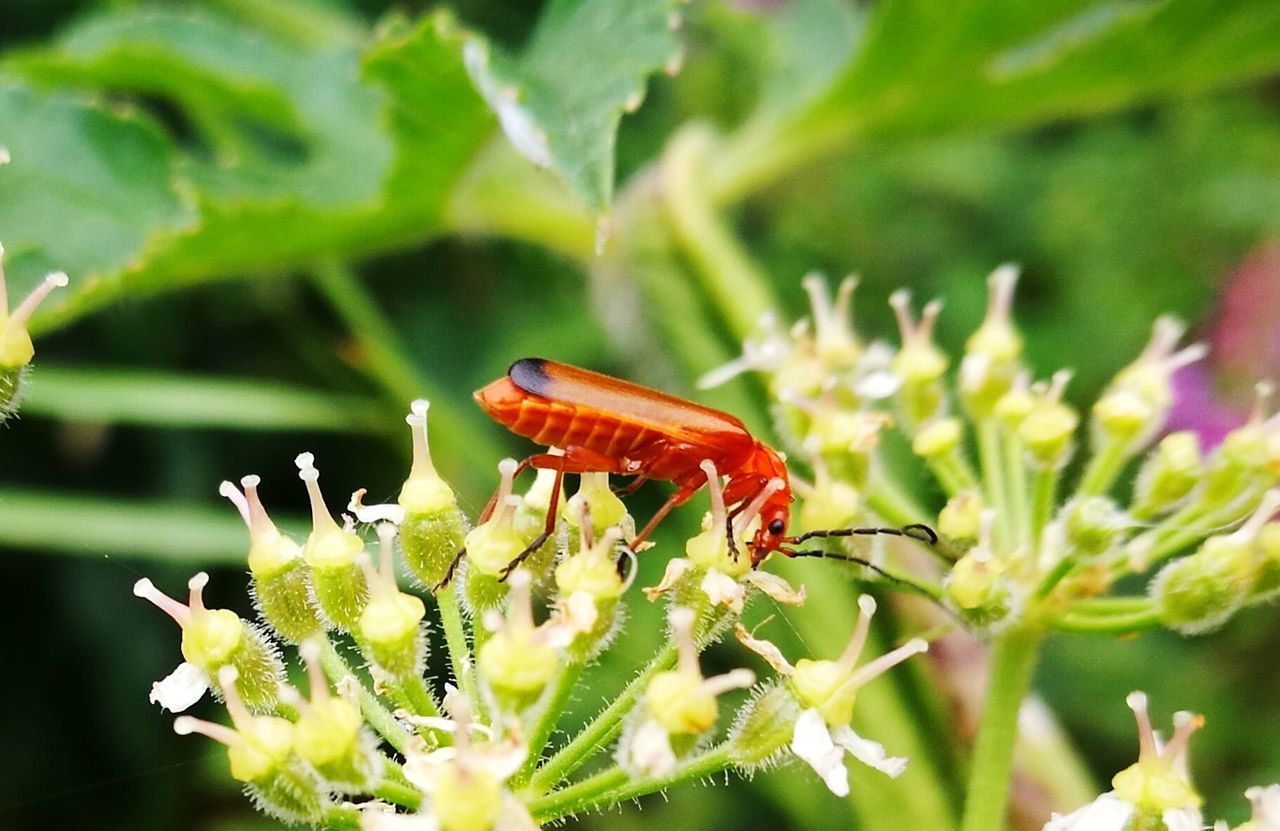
x=529, y=374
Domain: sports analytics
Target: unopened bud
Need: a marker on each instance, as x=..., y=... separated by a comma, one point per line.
x=336, y=579
x=1092, y=525
x=958, y=519
x=1168, y=475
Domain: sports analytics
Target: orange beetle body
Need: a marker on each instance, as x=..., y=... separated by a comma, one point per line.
x=606, y=425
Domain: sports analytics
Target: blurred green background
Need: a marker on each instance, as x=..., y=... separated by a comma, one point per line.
x=283, y=221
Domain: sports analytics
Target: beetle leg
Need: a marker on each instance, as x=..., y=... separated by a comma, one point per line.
x=547, y=530
x=631, y=487
x=677, y=499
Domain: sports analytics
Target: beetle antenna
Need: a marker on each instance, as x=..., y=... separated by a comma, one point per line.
x=910, y=585
x=915, y=531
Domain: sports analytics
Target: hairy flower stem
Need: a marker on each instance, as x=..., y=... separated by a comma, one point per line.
x=396, y=793
x=412, y=694
x=455, y=636
x=1121, y=623
x=553, y=705
x=380, y=719
x=1044, y=486
x=1013, y=658
x=604, y=727
x=1103, y=468
x=341, y=818
x=993, y=475
x=612, y=786
x=1016, y=481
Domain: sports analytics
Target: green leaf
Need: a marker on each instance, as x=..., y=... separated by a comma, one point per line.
x=289, y=148
x=561, y=99
x=95, y=527
x=119, y=396
x=84, y=188
x=931, y=67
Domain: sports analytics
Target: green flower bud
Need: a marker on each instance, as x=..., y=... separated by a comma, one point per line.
x=260, y=751
x=1092, y=525
x=16, y=349
x=588, y=587
x=978, y=586
x=764, y=727
x=1168, y=475
x=958, y=519
x=530, y=521
x=433, y=528
x=1014, y=406
x=1241, y=459
x=1267, y=582
x=939, y=438
x=1047, y=430
x=518, y=660
x=336, y=579
x=1200, y=592
x=390, y=627
x=919, y=364
x=281, y=578
x=494, y=544
x=215, y=639
x=678, y=702
x=831, y=504
x=993, y=352
x=330, y=733
x=605, y=508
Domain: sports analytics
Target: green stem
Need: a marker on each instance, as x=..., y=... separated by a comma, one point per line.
x=1122, y=623
x=1013, y=659
x=396, y=793
x=603, y=727
x=415, y=695
x=953, y=473
x=733, y=283
x=1044, y=487
x=380, y=719
x=455, y=636
x=1103, y=469
x=341, y=818
x=552, y=708
x=1015, y=482
x=993, y=475
x=612, y=786
x=1106, y=606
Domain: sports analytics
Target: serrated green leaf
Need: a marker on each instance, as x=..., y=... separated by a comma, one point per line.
x=119, y=396
x=930, y=67
x=84, y=188
x=287, y=151
x=561, y=99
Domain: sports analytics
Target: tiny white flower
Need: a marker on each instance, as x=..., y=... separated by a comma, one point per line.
x=650, y=750
x=371, y=514
x=721, y=589
x=1266, y=806
x=812, y=742
x=181, y=688
x=1106, y=813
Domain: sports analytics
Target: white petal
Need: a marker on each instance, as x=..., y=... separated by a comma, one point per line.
x=776, y=588
x=676, y=568
x=181, y=688
x=868, y=752
x=765, y=649
x=422, y=769
x=650, y=750
x=877, y=385
x=722, y=589
x=1266, y=805
x=1106, y=813
x=1185, y=819
x=812, y=742
x=578, y=611
x=503, y=759
x=514, y=816
x=369, y=514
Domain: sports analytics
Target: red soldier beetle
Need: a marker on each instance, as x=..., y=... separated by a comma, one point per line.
x=606, y=425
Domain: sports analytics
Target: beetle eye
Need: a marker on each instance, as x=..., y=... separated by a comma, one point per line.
x=777, y=527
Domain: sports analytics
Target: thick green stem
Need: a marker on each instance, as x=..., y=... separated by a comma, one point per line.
x=341, y=818
x=953, y=472
x=1121, y=623
x=413, y=693
x=379, y=718
x=612, y=786
x=455, y=636
x=604, y=727
x=1013, y=658
x=552, y=708
x=733, y=283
